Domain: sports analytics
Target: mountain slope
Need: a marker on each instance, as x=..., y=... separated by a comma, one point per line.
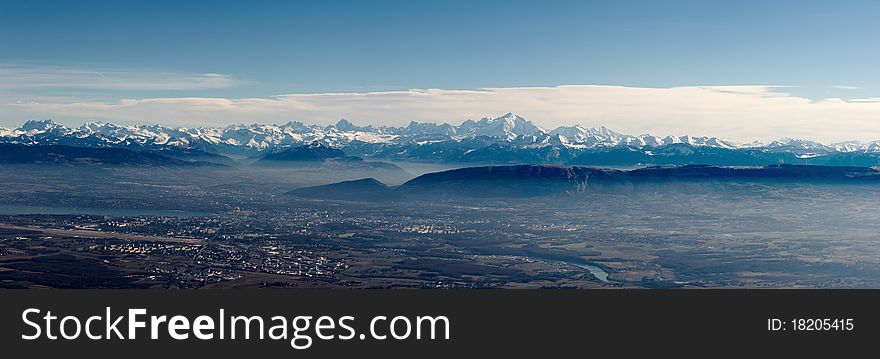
x=367, y=189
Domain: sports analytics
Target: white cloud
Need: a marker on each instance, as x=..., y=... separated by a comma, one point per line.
x=846, y=87
x=741, y=113
x=30, y=77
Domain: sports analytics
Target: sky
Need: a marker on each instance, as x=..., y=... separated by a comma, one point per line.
x=742, y=70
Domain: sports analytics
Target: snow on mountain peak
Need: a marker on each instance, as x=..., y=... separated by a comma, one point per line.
x=38, y=126
x=508, y=126
x=429, y=129
x=795, y=142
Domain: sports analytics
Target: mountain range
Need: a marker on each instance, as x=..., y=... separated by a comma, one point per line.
x=505, y=139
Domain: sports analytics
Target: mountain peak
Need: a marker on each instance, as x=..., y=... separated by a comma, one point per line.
x=508, y=126
x=605, y=131
x=296, y=126
x=38, y=125
x=798, y=145
x=343, y=124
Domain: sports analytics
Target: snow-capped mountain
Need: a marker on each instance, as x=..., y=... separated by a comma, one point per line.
x=577, y=136
x=800, y=146
x=506, y=138
x=428, y=129
x=856, y=146
x=509, y=127
x=604, y=137
x=40, y=126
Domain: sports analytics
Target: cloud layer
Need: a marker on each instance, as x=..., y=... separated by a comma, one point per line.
x=740, y=113
x=28, y=77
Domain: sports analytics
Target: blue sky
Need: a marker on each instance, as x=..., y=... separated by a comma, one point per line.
x=252, y=49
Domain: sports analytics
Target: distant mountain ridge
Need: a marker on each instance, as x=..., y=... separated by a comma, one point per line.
x=536, y=180
x=504, y=139
x=542, y=180
x=307, y=153
x=11, y=153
